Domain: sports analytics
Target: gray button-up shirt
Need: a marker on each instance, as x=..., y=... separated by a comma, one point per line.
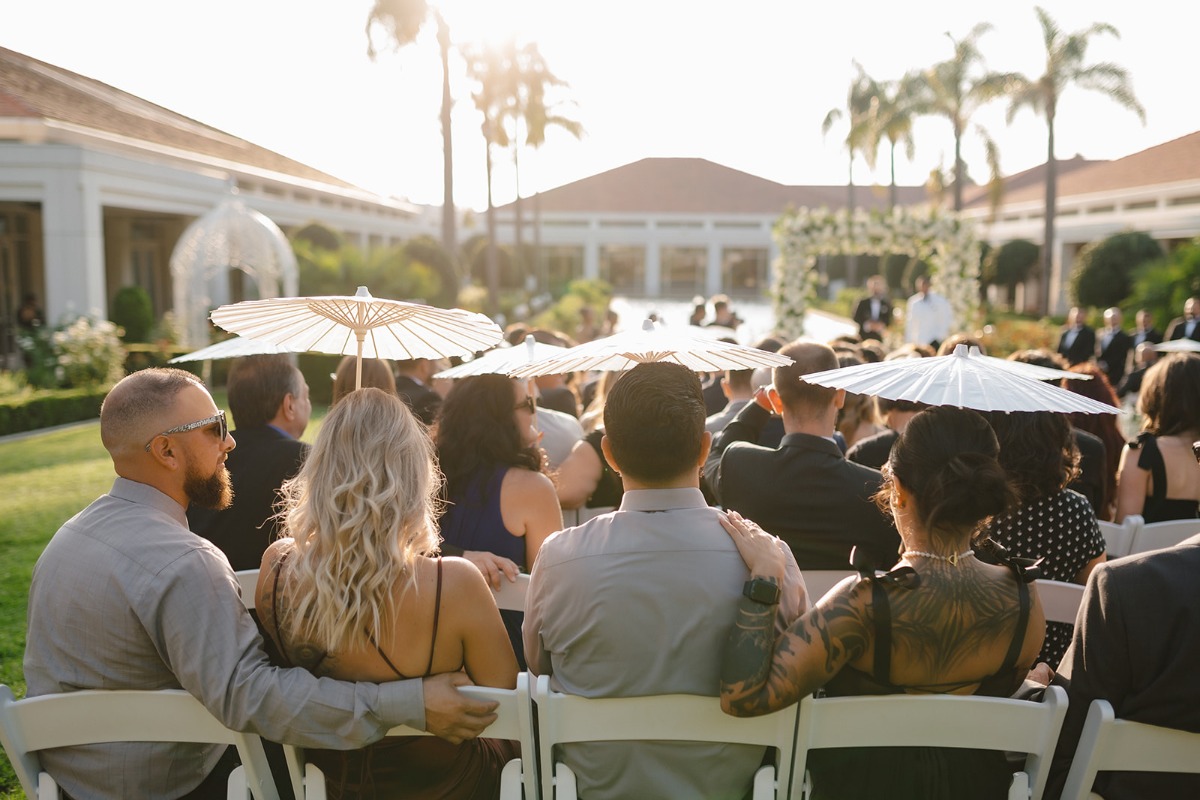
x=126, y=597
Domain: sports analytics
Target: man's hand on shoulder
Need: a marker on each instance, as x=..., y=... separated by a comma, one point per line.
x=452, y=715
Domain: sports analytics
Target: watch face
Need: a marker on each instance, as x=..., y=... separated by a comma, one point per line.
x=761, y=591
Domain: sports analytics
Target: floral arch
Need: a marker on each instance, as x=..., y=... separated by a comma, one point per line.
x=940, y=238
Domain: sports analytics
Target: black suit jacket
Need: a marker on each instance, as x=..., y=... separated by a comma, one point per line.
x=1136, y=644
x=805, y=492
x=1082, y=349
x=862, y=314
x=873, y=451
x=1177, y=328
x=423, y=401
x=1113, y=357
x=1151, y=335
x=263, y=459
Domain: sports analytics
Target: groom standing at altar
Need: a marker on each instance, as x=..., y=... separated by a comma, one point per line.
x=874, y=312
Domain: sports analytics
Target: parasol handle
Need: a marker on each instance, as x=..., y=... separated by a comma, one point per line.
x=360, y=335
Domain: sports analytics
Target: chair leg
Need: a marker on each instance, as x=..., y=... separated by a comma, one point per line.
x=237, y=788
x=1019, y=788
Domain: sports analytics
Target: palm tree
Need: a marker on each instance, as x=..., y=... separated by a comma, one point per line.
x=858, y=103
x=956, y=89
x=402, y=20
x=1065, y=66
x=890, y=117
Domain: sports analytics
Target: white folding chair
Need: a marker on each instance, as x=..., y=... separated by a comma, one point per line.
x=1157, y=535
x=1111, y=744
x=1118, y=537
x=248, y=580
x=818, y=582
x=511, y=596
x=566, y=718
x=514, y=720
x=95, y=717
x=1060, y=600
x=983, y=723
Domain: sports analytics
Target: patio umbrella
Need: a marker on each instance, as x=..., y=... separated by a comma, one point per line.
x=361, y=325
x=502, y=360
x=1179, y=346
x=650, y=343
x=236, y=347
x=963, y=379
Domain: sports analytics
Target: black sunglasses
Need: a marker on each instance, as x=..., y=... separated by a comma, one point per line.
x=218, y=418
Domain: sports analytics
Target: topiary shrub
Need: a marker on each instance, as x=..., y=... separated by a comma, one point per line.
x=1010, y=265
x=1103, y=274
x=132, y=310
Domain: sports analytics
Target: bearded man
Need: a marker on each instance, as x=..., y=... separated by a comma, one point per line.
x=126, y=597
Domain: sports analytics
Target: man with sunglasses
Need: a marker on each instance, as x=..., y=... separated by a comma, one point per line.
x=126, y=597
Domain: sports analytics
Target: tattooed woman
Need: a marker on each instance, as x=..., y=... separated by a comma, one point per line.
x=942, y=622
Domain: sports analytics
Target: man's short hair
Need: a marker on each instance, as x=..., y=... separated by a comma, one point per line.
x=807, y=357
x=256, y=388
x=654, y=421
x=133, y=410
x=739, y=379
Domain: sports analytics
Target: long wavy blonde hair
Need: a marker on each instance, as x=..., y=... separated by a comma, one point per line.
x=361, y=511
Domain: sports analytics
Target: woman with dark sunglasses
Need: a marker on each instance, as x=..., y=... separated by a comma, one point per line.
x=498, y=498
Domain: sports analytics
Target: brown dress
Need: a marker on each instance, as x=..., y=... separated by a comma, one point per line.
x=409, y=766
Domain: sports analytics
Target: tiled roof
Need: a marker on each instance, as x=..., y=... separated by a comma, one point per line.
x=1027, y=185
x=698, y=186
x=36, y=90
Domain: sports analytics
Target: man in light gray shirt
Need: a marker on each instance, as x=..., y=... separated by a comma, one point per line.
x=126, y=597
x=641, y=601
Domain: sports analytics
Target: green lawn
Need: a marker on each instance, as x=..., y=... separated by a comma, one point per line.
x=46, y=478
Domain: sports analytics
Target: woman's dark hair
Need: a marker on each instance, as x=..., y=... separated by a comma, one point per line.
x=1037, y=450
x=476, y=430
x=1101, y=425
x=1168, y=396
x=947, y=460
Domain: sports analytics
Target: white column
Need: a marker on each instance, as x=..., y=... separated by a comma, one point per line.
x=653, y=265
x=73, y=237
x=712, y=273
x=591, y=258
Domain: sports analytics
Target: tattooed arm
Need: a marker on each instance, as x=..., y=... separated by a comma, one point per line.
x=760, y=674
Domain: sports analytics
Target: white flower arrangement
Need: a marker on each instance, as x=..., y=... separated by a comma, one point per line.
x=940, y=238
x=89, y=351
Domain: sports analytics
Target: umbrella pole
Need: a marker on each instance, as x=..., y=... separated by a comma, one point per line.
x=360, y=335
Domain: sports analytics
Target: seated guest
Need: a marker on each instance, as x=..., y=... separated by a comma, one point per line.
x=873, y=451
x=376, y=373
x=638, y=602
x=126, y=597
x=1049, y=522
x=586, y=479
x=560, y=432
x=1158, y=478
x=738, y=388
x=1136, y=645
x=498, y=497
x=955, y=339
x=804, y=491
x=268, y=398
x=351, y=594
x=1102, y=426
x=414, y=384
x=1143, y=357
x=945, y=623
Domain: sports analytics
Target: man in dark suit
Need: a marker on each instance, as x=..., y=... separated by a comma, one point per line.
x=268, y=398
x=874, y=312
x=1187, y=326
x=1143, y=358
x=1145, y=330
x=1136, y=645
x=413, y=379
x=805, y=491
x=1078, y=342
x=1115, y=345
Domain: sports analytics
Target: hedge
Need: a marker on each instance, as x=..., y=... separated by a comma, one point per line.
x=48, y=407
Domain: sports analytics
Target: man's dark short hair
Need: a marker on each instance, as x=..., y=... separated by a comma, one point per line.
x=807, y=357
x=654, y=421
x=257, y=386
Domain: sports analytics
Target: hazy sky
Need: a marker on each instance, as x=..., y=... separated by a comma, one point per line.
x=743, y=84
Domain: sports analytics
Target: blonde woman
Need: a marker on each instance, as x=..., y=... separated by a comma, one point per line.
x=351, y=594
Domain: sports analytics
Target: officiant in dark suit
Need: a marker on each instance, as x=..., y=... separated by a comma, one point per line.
x=874, y=312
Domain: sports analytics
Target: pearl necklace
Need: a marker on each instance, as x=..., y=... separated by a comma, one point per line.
x=953, y=558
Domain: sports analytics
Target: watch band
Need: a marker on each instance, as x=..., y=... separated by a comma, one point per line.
x=762, y=591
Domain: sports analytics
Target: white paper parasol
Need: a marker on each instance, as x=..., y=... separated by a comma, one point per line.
x=503, y=360
x=962, y=379
x=236, y=347
x=627, y=349
x=1179, y=346
x=1029, y=370
x=361, y=325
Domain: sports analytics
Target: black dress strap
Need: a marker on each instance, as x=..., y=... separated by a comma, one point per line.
x=437, y=610
x=1014, y=648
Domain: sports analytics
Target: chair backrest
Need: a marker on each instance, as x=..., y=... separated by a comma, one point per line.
x=818, y=582
x=1157, y=535
x=514, y=720
x=1060, y=600
x=94, y=717
x=564, y=718
x=1108, y=743
x=248, y=579
x=511, y=596
x=983, y=723
x=1118, y=537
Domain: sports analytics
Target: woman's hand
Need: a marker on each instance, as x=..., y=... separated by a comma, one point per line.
x=760, y=550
